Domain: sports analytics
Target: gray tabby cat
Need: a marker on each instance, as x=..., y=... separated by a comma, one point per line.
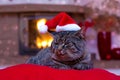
x=68, y=51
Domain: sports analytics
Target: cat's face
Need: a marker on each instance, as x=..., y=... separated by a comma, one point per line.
x=68, y=46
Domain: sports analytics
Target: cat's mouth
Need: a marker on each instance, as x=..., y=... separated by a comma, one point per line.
x=67, y=56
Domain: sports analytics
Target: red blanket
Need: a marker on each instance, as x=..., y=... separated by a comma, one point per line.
x=35, y=72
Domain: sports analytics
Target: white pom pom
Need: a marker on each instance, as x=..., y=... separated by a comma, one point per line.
x=43, y=28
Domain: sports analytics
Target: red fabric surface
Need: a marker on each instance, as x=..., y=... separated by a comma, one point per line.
x=35, y=72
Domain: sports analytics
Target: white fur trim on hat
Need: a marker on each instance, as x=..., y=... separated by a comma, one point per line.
x=43, y=28
x=68, y=27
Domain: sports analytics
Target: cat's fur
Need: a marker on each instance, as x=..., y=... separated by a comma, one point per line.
x=68, y=51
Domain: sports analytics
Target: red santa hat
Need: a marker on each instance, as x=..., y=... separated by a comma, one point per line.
x=61, y=22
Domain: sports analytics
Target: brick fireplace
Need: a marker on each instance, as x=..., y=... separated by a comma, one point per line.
x=31, y=40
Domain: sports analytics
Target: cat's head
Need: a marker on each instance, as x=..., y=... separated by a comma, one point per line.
x=68, y=45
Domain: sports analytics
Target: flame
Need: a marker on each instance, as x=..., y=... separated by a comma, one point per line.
x=44, y=40
x=38, y=42
x=41, y=22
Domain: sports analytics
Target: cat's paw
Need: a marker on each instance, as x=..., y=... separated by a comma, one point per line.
x=83, y=66
x=33, y=60
x=61, y=67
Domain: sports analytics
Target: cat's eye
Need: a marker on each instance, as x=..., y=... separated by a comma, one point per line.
x=56, y=43
x=65, y=46
x=70, y=44
x=73, y=49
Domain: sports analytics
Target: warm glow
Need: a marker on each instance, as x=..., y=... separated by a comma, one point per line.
x=49, y=42
x=44, y=44
x=44, y=40
x=38, y=42
x=41, y=22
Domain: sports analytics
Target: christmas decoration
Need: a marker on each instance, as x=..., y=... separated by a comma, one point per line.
x=115, y=53
x=61, y=22
x=104, y=45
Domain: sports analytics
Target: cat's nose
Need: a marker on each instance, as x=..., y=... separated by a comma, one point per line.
x=60, y=47
x=61, y=52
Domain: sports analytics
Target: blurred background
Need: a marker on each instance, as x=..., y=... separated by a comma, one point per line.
x=20, y=38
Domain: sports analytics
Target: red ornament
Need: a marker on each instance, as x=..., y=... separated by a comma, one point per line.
x=108, y=56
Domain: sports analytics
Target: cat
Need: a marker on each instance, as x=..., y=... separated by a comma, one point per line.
x=67, y=51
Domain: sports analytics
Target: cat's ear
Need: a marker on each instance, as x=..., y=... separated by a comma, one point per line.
x=81, y=33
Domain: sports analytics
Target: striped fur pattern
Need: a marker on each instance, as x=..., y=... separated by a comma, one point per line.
x=68, y=51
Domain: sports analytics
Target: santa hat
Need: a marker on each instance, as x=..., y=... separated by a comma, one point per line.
x=61, y=22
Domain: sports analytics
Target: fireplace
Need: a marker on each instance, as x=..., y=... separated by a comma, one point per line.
x=37, y=40
x=31, y=40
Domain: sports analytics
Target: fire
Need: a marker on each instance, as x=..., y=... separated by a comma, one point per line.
x=41, y=22
x=44, y=39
